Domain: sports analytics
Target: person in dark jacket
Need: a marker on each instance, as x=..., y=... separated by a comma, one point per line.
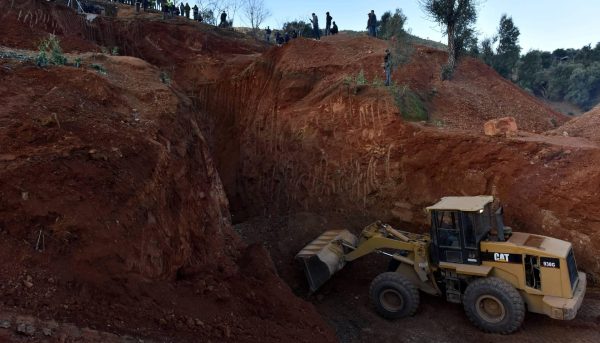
x=187, y=10
x=387, y=66
x=223, y=22
x=268, y=34
x=195, y=12
x=315, y=23
x=372, y=24
x=181, y=9
x=327, y=24
x=334, y=29
x=165, y=9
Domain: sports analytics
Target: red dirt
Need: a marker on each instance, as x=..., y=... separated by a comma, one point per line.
x=586, y=125
x=131, y=180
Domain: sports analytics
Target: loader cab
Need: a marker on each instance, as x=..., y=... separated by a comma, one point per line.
x=458, y=225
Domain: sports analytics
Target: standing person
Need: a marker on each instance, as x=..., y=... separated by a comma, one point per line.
x=187, y=10
x=387, y=66
x=372, y=24
x=181, y=9
x=327, y=24
x=145, y=5
x=223, y=22
x=315, y=22
x=268, y=34
x=334, y=29
x=165, y=9
x=195, y=12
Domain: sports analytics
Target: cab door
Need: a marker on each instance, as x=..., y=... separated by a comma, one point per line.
x=448, y=236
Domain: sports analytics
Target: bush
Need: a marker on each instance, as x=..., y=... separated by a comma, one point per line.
x=50, y=46
x=99, y=68
x=409, y=103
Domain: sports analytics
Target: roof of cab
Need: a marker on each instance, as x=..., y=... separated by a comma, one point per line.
x=462, y=203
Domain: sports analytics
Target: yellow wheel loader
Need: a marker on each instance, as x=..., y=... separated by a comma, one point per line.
x=468, y=257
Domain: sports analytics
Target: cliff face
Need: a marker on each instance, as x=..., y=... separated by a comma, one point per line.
x=290, y=133
x=110, y=204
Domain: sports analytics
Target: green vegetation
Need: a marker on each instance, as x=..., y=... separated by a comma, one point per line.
x=50, y=52
x=571, y=75
x=411, y=105
x=391, y=25
x=458, y=18
x=99, y=68
x=165, y=78
x=302, y=28
x=115, y=51
x=355, y=82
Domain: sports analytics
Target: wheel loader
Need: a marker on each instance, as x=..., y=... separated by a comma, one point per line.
x=468, y=257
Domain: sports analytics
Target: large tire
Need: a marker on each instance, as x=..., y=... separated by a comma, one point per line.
x=494, y=305
x=394, y=296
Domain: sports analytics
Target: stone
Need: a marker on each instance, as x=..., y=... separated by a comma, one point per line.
x=4, y=324
x=503, y=126
x=25, y=325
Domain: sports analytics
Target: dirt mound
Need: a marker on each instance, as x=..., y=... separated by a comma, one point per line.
x=113, y=216
x=586, y=125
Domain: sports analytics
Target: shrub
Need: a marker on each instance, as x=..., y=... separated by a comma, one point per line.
x=409, y=103
x=99, y=68
x=50, y=46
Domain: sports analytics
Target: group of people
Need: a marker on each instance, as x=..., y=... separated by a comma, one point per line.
x=329, y=30
x=169, y=9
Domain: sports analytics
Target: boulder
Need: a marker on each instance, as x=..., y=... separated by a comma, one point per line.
x=502, y=126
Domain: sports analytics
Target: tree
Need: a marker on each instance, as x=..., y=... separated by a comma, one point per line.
x=530, y=65
x=487, y=50
x=457, y=16
x=211, y=9
x=256, y=13
x=303, y=28
x=392, y=25
x=507, y=54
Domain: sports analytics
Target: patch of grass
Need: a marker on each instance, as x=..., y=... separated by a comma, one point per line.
x=410, y=103
x=77, y=62
x=115, y=51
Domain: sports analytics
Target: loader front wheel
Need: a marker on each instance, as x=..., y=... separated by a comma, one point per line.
x=394, y=296
x=494, y=305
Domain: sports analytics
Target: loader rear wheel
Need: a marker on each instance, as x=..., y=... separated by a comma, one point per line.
x=394, y=296
x=494, y=305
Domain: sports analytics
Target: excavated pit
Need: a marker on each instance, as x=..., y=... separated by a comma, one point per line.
x=276, y=138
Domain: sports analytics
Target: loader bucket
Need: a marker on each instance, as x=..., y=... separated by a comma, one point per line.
x=325, y=255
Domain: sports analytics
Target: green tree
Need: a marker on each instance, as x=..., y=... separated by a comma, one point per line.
x=456, y=16
x=392, y=25
x=559, y=79
x=508, y=51
x=529, y=66
x=487, y=50
x=302, y=28
x=584, y=84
